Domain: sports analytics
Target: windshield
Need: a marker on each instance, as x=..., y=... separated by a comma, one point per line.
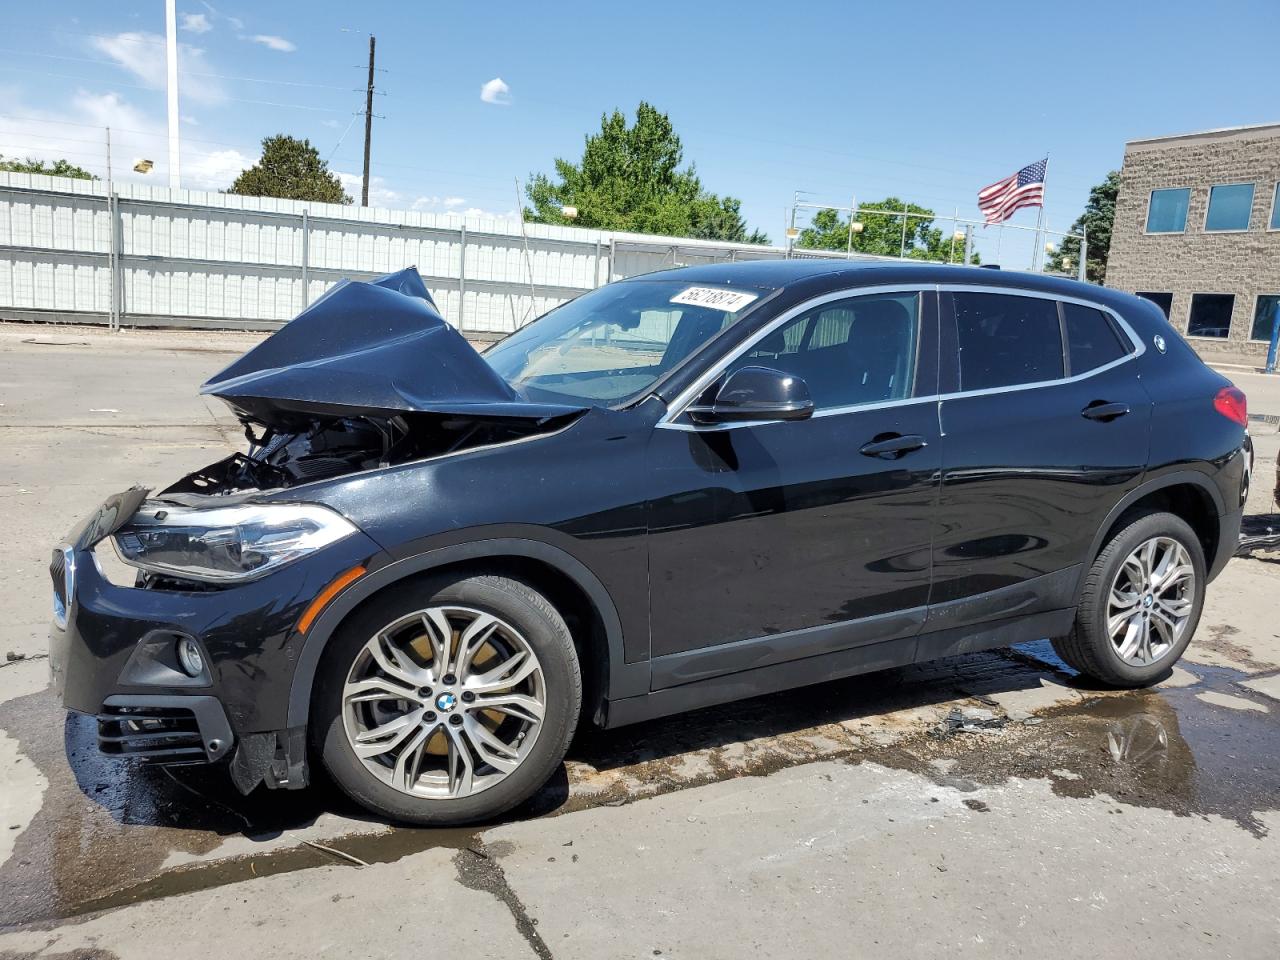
x=615, y=342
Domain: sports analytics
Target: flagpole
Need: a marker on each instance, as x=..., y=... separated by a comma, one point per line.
x=1044, y=185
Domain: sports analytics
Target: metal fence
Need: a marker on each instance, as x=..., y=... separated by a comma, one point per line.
x=83, y=251
x=80, y=251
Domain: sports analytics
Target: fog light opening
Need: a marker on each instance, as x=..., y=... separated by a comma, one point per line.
x=190, y=658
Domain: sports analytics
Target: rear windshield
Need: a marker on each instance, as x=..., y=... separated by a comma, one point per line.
x=616, y=342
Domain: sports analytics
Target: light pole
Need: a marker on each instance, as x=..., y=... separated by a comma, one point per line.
x=171, y=86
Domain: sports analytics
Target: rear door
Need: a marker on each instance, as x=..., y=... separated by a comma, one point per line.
x=1045, y=427
x=770, y=539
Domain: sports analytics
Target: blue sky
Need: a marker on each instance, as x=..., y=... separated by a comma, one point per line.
x=927, y=101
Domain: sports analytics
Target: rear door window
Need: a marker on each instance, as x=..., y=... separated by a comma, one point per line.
x=1091, y=339
x=1007, y=340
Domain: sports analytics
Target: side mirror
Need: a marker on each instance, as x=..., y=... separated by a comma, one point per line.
x=757, y=393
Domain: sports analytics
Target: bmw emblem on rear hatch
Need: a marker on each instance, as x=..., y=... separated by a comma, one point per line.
x=1159, y=342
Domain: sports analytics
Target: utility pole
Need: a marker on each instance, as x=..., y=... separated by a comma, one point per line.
x=368, y=125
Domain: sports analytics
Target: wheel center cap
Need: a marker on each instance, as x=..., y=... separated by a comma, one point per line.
x=446, y=702
x=1148, y=601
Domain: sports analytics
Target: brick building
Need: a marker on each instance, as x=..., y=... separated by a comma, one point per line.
x=1197, y=231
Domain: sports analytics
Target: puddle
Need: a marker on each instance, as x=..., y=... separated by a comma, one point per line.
x=1165, y=749
x=109, y=829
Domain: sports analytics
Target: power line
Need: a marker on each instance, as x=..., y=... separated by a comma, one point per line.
x=189, y=73
x=138, y=86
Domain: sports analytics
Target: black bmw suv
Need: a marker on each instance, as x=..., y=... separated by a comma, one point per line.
x=429, y=567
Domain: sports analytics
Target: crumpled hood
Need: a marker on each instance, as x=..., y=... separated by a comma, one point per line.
x=379, y=348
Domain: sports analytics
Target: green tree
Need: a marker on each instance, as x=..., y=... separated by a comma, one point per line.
x=1097, y=220
x=292, y=170
x=882, y=234
x=59, y=168
x=630, y=178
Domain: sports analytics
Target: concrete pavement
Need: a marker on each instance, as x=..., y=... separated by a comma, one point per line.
x=837, y=820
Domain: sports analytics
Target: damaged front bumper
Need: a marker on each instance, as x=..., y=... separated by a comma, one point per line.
x=112, y=655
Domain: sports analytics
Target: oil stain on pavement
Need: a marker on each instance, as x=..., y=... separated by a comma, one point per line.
x=113, y=832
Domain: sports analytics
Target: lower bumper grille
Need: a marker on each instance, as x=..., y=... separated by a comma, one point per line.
x=150, y=732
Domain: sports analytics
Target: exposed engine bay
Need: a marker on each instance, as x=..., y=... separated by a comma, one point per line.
x=369, y=375
x=334, y=447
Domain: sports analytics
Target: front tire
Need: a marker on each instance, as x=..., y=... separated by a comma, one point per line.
x=447, y=700
x=1140, y=603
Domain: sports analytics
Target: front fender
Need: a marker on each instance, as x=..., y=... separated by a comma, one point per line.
x=622, y=679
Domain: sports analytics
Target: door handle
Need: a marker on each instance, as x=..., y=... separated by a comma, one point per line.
x=893, y=446
x=1104, y=411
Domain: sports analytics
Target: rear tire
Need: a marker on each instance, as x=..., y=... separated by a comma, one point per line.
x=1140, y=603
x=434, y=733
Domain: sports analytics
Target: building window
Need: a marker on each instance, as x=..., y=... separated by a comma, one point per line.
x=1162, y=300
x=1167, y=210
x=1264, y=317
x=1210, y=315
x=1275, y=209
x=1229, y=207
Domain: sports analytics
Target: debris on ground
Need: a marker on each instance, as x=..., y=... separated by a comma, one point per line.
x=968, y=720
x=340, y=854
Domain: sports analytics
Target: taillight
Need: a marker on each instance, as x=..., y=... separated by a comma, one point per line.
x=1230, y=402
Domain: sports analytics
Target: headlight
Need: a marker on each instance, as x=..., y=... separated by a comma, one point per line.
x=226, y=544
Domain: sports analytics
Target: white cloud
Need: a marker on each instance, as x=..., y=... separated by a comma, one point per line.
x=143, y=55
x=235, y=22
x=332, y=124
x=213, y=169
x=195, y=23
x=490, y=214
x=380, y=195
x=275, y=43
x=496, y=91
x=437, y=204
x=52, y=134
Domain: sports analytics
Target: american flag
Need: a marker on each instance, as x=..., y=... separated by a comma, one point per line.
x=1022, y=189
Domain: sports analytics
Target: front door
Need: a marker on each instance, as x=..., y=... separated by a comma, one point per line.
x=766, y=534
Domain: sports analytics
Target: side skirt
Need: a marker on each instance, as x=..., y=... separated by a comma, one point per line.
x=833, y=666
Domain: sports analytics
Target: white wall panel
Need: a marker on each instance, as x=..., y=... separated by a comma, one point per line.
x=193, y=256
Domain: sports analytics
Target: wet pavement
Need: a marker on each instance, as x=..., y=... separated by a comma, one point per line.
x=978, y=791
x=112, y=832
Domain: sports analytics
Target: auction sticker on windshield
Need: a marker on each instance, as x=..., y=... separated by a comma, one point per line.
x=717, y=298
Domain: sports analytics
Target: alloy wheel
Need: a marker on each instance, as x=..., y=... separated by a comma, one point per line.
x=1150, y=601
x=444, y=703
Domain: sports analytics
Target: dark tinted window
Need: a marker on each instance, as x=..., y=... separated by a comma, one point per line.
x=1264, y=317
x=1091, y=340
x=855, y=351
x=1006, y=340
x=1210, y=314
x=1162, y=300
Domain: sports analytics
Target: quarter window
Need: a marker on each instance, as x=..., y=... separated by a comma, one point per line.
x=1091, y=340
x=848, y=352
x=1167, y=210
x=1229, y=207
x=1210, y=315
x=1264, y=317
x=1006, y=340
x=1162, y=300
